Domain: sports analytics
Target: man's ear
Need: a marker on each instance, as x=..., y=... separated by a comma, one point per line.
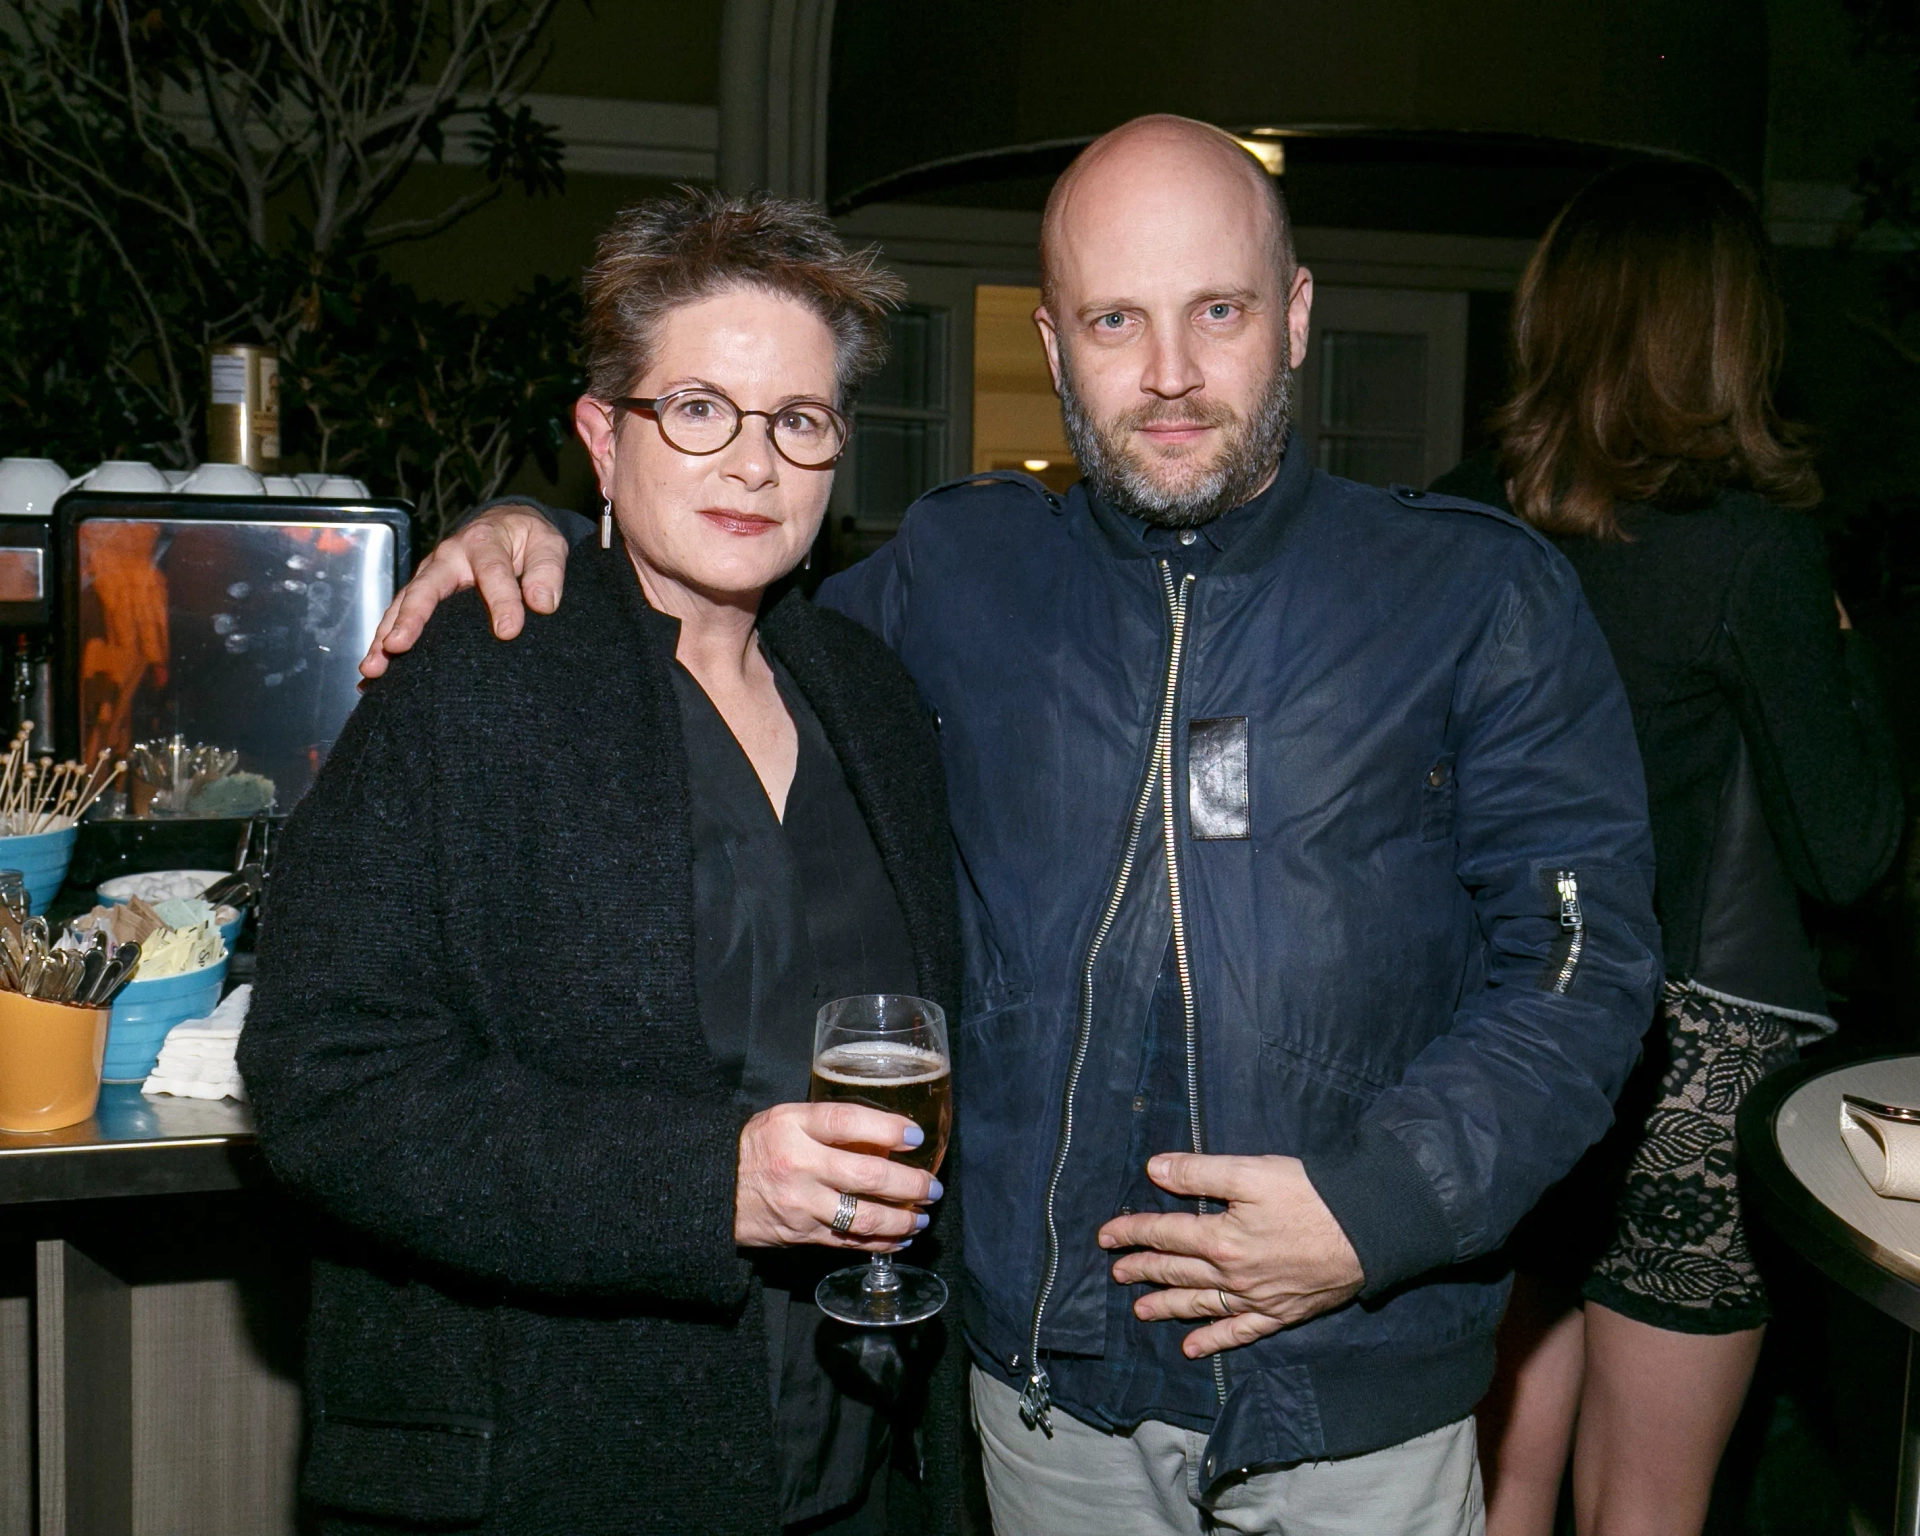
x=1049, y=339
x=1299, y=310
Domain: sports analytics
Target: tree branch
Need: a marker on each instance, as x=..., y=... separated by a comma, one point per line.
x=400, y=230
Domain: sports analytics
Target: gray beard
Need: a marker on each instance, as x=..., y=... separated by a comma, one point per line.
x=1121, y=479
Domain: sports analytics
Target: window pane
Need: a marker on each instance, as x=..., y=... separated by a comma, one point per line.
x=893, y=462
x=1375, y=460
x=1373, y=381
x=915, y=376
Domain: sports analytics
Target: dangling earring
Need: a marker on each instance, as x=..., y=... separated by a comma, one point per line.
x=807, y=564
x=606, y=521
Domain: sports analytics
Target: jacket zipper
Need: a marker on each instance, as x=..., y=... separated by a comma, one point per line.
x=1036, y=1402
x=1573, y=923
x=1177, y=609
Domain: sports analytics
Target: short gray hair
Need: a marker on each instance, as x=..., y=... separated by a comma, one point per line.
x=670, y=251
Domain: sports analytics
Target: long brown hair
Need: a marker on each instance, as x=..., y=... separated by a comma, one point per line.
x=1647, y=334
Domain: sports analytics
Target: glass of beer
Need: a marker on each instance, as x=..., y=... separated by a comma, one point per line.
x=887, y=1052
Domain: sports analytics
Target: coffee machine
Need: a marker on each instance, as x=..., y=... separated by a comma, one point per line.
x=220, y=634
x=27, y=639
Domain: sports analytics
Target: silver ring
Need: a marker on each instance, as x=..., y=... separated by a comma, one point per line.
x=1225, y=1310
x=843, y=1217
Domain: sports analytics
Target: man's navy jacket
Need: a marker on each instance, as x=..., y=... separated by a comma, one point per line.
x=1411, y=887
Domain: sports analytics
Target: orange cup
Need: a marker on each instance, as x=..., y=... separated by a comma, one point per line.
x=50, y=1055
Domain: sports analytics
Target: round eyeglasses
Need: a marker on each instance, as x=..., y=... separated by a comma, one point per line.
x=806, y=433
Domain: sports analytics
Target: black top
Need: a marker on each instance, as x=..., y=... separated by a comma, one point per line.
x=1722, y=622
x=475, y=1047
x=788, y=916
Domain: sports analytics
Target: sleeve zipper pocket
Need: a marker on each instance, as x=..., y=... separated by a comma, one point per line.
x=1573, y=933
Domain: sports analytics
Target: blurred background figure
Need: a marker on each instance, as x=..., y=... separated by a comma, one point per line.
x=1641, y=436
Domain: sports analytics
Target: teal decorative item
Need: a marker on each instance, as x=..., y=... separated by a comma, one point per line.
x=144, y=1012
x=43, y=859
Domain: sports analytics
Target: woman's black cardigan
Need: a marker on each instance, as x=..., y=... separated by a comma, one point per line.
x=475, y=1048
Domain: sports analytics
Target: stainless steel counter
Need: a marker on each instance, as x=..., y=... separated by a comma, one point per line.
x=133, y=1145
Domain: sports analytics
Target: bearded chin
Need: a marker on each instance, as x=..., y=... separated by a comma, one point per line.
x=1128, y=483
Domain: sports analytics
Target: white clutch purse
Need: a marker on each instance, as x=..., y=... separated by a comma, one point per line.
x=1885, y=1142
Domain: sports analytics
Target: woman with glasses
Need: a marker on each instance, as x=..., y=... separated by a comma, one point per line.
x=534, y=1017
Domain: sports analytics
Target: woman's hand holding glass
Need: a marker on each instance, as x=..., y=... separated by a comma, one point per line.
x=796, y=1159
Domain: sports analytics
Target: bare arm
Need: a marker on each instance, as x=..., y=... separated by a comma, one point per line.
x=506, y=552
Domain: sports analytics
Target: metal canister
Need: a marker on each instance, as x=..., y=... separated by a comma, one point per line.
x=243, y=409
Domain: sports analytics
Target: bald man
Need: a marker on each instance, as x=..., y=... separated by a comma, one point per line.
x=1306, y=881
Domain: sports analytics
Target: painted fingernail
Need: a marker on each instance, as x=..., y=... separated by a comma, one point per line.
x=920, y=1221
x=912, y=1136
x=937, y=1190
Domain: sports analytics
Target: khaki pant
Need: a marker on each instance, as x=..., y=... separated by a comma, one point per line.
x=1146, y=1482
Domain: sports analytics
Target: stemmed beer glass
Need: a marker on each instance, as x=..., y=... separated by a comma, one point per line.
x=888, y=1052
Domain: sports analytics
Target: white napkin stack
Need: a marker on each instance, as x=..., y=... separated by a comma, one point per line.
x=197, y=1057
x=1887, y=1152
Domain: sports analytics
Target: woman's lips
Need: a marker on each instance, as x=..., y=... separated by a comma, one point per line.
x=745, y=524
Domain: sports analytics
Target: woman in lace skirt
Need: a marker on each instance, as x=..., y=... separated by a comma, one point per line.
x=1641, y=435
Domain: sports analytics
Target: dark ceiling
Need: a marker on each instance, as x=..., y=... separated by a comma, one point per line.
x=1454, y=184
x=1460, y=116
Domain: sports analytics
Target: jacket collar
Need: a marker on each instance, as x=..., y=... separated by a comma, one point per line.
x=1262, y=529
x=610, y=571
x=874, y=722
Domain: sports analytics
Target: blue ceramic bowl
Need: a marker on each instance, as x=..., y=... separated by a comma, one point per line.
x=144, y=1012
x=115, y=893
x=43, y=859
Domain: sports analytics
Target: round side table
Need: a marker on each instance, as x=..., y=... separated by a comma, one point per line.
x=1798, y=1176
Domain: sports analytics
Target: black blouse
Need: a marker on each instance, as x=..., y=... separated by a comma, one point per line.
x=788, y=916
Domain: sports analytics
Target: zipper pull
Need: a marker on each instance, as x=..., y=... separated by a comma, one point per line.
x=1573, y=924
x=1569, y=887
x=1036, y=1403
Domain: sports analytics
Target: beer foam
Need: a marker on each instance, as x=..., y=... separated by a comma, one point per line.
x=867, y=1062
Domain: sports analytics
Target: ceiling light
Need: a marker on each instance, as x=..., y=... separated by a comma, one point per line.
x=1036, y=465
x=1271, y=153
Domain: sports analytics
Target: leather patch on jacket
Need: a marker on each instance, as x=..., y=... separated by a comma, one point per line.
x=1217, y=809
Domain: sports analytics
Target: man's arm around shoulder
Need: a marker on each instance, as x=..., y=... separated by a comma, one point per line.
x=514, y=550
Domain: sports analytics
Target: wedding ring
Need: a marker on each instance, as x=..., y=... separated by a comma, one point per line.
x=1225, y=1310
x=843, y=1217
